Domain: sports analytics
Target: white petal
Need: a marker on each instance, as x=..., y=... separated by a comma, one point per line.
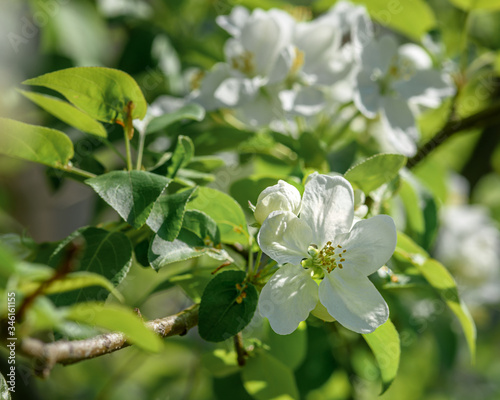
x=327, y=207
x=287, y=298
x=228, y=92
x=309, y=101
x=261, y=37
x=400, y=125
x=367, y=94
x=369, y=244
x=415, y=55
x=284, y=237
x=380, y=54
x=233, y=22
x=279, y=197
x=353, y=301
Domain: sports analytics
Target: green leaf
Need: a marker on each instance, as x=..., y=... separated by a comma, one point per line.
x=108, y=254
x=421, y=211
x=290, y=349
x=227, y=306
x=310, y=149
x=106, y=94
x=413, y=18
x=73, y=281
x=189, y=111
x=184, y=151
x=373, y=172
x=225, y=211
x=266, y=378
x=476, y=4
x=199, y=235
x=205, y=163
x=67, y=113
x=116, y=318
x=131, y=193
x=220, y=363
x=442, y=281
x=385, y=345
x=35, y=143
x=167, y=214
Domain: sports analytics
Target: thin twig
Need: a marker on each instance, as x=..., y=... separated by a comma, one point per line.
x=47, y=355
x=483, y=118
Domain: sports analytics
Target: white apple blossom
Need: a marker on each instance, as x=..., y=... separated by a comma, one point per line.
x=322, y=244
x=280, y=197
x=391, y=82
x=468, y=244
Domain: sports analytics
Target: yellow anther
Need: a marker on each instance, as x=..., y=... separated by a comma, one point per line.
x=341, y=266
x=342, y=259
x=343, y=251
x=339, y=246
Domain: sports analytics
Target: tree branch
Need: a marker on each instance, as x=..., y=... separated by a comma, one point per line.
x=487, y=117
x=47, y=355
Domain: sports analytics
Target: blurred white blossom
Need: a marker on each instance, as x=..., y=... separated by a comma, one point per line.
x=391, y=82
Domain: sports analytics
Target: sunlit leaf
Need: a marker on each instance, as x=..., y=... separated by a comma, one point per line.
x=106, y=94
x=189, y=111
x=373, y=172
x=225, y=211
x=384, y=343
x=67, y=113
x=116, y=318
x=442, y=281
x=266, y=378
x=35, y=143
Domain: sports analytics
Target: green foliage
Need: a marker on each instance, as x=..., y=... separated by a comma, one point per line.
x=106, y=253
x=105, y=94
x=373, y=172
x=67, y=113
x=289, y=349
x=442, y=281
x=183, y=153
x=412, y=18
x=225, y=211
x=167, y=214
x=199, y=235
x=469, y=5
x=35, y=143
x=131, y=194
x=116, y=318
x=189, y=111
x=266, y=378
x=227, y=306
x=384, y=342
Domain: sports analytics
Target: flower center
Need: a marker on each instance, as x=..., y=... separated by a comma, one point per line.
x=331, y=257
x=244, y=63
x=327, y=259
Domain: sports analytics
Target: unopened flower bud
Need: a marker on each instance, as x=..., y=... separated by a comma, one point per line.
x=280, y=197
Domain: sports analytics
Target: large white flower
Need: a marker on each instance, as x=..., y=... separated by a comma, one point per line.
x=392, y=80
x=321, y=244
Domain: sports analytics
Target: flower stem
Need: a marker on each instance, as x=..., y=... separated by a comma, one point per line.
x=127, y=149
x=257, y=262
x=79, y=171
x=140, y=150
